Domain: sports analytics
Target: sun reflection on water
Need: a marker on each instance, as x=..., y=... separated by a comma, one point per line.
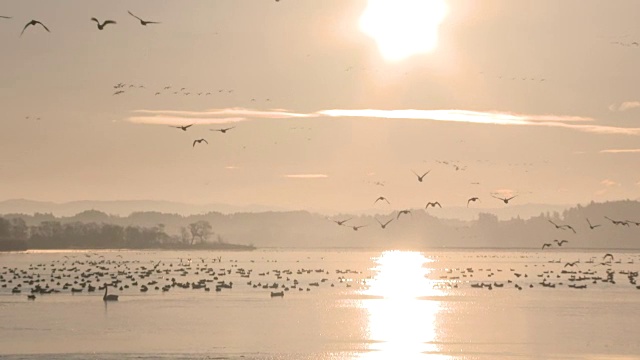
x=401, y=313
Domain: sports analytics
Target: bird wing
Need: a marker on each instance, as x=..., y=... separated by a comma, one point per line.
x=205, y=141
x=96, y=20
x=512, y=197
x=188, y=126
x=194, y=143
x=38, y=22
x=130, y=13
x=152, y=22
x=495, y=197
x=109, y=22
x=387, y=223
x=437, y=203
x=25, y=28
x=425, y=174
x=5, y=17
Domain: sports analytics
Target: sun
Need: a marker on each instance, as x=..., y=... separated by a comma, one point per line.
x=403, y=28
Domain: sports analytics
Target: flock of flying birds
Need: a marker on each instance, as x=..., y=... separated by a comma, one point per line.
x=100, y=26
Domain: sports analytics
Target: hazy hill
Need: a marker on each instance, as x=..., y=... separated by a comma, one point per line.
x=419, y=229
x=127, y=207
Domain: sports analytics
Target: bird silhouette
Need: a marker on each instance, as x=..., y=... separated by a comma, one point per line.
x=222, y=130
x=505, y=200
x=341, y=222
x=355, y=228
x=617, y=222
x=607, y=255
x=109, y=297
x=381, y=198
x=474, y=199
x=199, y=141
x=403, y=212
x=563, y=227
x=571, y=263
x=183, y=128
x=592, y=226
x=433, y=204
x=143, y=22
x=384, y=225
x=420, y=177
x=105, y=23
x=545, y=245
x=5, y=17
x=34, y=23
x=560, y=242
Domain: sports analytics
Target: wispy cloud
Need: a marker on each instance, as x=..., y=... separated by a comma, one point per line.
x=211, y=116
x=231, y=167
x=306, y=176
x=468, y=116
x=619, y=151
x=627, y=105
x=232, y=115
x=608, y=183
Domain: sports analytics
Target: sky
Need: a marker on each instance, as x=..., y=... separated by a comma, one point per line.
x=530, y=98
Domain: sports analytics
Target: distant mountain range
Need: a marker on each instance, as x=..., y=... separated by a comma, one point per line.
x=122, y=207
x=126, y=207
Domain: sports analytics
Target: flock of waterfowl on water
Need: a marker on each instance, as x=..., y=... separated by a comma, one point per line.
x=92, y=273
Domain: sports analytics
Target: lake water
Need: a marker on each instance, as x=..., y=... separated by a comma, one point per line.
x=366, y=305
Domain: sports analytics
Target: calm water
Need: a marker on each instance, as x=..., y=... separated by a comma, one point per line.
x=382, y=305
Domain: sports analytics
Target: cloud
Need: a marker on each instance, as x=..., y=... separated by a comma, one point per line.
x=620, y=151
x=627, y=105
x=232, y=115
x=468, y=116
x=211, y=116
x=306, y=176
x=231, y=167
x=608, y=183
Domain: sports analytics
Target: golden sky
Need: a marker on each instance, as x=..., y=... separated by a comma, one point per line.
x=332, y=103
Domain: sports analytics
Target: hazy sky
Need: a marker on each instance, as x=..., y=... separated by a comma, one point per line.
x=534, y=98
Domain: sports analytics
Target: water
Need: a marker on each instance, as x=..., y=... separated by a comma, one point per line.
x=383, y=305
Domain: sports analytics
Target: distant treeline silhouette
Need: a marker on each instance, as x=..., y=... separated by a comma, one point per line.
x=16, y=234
x=302, y=229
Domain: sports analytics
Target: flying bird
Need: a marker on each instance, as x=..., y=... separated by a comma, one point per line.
x=403, y=212
x=545, y=245
x=592, y=226
x=563, y=227
x=617, y=222
x=34, y=23
x=355, y=228
x=183, y=128
x=433, y=204
x=385, y=224
x=222, y=130
x=199, y=141
x=341, y=222
x=505, y=200
x=105, y=23
x=560, y=242
x=143, y=22
x=420, y=177
x=381, y=198
x=474, y=199
x=607, y=255
x=571, y=263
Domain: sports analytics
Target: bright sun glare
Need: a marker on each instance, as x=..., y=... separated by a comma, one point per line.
x=403, y=27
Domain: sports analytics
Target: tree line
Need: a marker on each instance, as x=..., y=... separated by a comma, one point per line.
x=15, y=234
